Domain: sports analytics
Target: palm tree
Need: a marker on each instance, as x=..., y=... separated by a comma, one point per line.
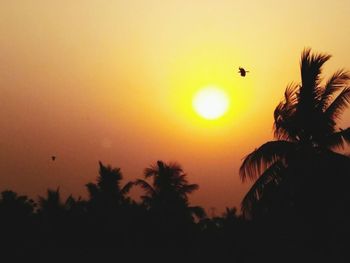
x=108, y=192
x=305, y=126
x=168, y=193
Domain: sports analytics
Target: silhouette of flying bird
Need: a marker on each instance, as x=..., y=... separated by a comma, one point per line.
x=242, y=71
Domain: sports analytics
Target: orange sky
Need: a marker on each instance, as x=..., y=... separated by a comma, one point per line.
x=114, y=81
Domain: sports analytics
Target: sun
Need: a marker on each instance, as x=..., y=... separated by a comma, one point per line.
x=211, y=102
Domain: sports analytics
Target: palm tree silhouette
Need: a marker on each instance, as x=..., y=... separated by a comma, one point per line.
x=305, y=125
x=107, y=192
x=108, y=203
x=168, y=193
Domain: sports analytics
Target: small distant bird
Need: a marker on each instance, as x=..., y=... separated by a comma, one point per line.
x=53, y=157
x=242, y=71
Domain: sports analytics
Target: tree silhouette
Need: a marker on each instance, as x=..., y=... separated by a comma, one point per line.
x=16, y=212
x=53, y=209
x=169, y=191
x=107, y=193
x=17, y=223
x=52, y=205
x=15, y=206
x=171, y=224
x=109, y=208
x=305, y=128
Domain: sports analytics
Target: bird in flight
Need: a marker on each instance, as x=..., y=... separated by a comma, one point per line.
x=53, y=157
x=242, y=71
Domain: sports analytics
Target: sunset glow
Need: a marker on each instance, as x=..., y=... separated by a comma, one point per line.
x=181, y=130
x=120, y=81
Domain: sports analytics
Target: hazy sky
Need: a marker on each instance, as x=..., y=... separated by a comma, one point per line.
x=114, y=81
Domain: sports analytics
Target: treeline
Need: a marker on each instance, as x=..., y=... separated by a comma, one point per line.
x=109, y=222
x=109, y=226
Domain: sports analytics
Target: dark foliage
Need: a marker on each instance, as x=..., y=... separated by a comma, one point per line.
x=110, y=224
x=299, y=197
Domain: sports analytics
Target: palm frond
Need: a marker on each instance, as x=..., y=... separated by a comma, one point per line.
x=338, y=81
x=291, y=93
x=92, y=189
x=145, y=186
x=284, y=114
x=311, y=68
x=108, y=175
x=257, y=161
x=178, y=179
x=341, y=102
x=338, y=139
x=126, y=188
x=310, y=91
x=150, y=171
x=175, y=167
x=189, y=188
x=272, y=175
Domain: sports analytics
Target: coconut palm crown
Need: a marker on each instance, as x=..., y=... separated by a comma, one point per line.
x=305, y=119
x=169, y=190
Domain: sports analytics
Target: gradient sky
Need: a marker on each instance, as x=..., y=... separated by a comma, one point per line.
x=113, y=81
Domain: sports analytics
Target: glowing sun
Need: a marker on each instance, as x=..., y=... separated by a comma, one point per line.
x=211, y=102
